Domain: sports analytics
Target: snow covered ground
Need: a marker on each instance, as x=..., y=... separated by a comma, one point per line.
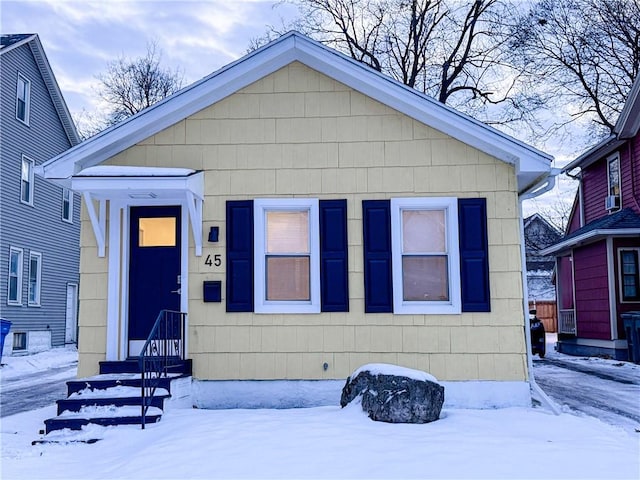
x=324, y=442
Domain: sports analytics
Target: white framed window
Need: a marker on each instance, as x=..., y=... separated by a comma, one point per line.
x=287, y=256
x=14, y=285
x=19, y=341
x=629, y=268
x=67, y=205
x=613, y=183
x=35, y=279
x=425, y=255
x=26, y=181
x=23, y=99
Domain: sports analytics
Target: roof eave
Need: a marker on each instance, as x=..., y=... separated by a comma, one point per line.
x=54, y=90
x=588, y=237
x=531, y=164
x=628, y=123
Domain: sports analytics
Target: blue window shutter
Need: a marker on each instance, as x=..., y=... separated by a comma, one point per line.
x=474, y=255
x=378, y=282
x=334, y=263
x=239, y=291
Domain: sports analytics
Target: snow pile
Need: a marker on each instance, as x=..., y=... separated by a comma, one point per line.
x=388, y=369
x=21, y=366
x=326, y=442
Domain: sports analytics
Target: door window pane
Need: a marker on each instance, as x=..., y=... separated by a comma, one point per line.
x=288, y=278
x=157, y=232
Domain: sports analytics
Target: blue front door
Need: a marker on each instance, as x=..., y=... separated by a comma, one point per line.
x=154, y=268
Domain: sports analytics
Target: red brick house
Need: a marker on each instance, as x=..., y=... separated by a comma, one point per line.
x=597, y=260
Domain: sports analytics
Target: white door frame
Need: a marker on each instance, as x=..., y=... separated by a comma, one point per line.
x=118, y=276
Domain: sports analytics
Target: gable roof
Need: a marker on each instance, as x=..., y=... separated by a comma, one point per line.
x=623, y=222
x=537, y=217
x=10, y=42
x=626, y=127
x=531, y=165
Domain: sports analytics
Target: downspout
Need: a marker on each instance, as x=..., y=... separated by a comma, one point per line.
x=534, y=192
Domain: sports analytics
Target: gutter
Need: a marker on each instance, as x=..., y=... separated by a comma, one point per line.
x=547, y=184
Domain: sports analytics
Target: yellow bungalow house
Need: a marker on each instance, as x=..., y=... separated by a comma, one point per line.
x=309, y=215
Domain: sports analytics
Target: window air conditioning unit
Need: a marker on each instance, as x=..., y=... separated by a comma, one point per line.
x=612, y=202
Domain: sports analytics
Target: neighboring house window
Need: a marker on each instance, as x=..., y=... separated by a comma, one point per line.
x=425, y=255
x=287, y=256
x=19, y=341
x=287, y=267
x=35, y=278
x=613, y=176
x=67, y=205
x=23, y=99
x=27, y=181
x=14, y=287
x=630, y=275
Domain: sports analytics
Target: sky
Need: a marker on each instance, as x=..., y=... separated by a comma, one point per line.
x=323, y=442
x=197, y=37
x=81, y=37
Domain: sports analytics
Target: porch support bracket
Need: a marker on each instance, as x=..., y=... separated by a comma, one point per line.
x=194, y=205
x=98, y=221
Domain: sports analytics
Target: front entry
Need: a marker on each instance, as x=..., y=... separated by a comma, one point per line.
x=154, y=269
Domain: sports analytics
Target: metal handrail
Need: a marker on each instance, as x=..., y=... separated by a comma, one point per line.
x=163, y=349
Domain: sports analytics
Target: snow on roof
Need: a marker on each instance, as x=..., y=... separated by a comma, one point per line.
x=125, y=171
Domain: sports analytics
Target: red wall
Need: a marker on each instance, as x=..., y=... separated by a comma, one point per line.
x=565, y=277
x=592, y=293
x=630, y=174
x=595, y=186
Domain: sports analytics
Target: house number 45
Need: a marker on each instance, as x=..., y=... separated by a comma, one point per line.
x=216, y=260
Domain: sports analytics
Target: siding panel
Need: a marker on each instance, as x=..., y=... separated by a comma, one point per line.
x=592, y=292
x=40, y=227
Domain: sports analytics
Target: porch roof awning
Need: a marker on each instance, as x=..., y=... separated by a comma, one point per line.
x=121, y=182
x=140, y=186
x=623, y=223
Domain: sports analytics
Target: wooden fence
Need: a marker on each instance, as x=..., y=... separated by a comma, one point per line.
x=547, y=313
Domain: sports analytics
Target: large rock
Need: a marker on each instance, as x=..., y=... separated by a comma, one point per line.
x=395, y=394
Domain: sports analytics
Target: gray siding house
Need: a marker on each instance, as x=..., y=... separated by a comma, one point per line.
x=39, y=220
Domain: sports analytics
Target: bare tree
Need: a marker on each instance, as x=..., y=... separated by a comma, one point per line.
x=130, y=85
x=581, y=56
x=448, y=49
